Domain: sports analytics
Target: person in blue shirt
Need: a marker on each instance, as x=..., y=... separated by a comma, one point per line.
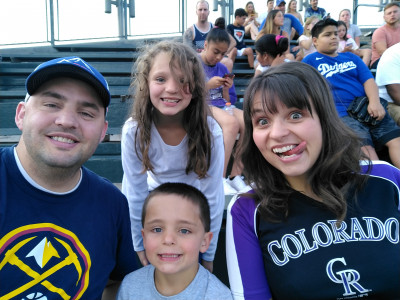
x=351, y=80
x=314, y=10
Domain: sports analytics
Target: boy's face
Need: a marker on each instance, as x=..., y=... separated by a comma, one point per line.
x=240, y=20
x=327, y=41
x=314, y=4
x=173, y=235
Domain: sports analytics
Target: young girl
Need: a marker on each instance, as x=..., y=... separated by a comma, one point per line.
x=221, y=90
x=305, y=40
x=316, y=225
x=169, y=136
x=251, y=24
x=347, y=44
x=270, y=50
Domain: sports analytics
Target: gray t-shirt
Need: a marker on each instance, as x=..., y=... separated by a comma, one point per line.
x=140, y=285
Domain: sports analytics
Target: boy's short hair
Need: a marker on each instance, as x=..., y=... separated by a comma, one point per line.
x=186, y=191
x=240, y=12
x=320, y=25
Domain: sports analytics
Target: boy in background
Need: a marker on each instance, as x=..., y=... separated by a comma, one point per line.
x=350, y=79
x=176, y=227
x=237, y=30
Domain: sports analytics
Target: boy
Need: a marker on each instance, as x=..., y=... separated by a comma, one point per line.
x=237, y=30
x=350, y=78
x=176, y=227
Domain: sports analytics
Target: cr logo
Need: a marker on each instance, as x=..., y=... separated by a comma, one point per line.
x=349, y=278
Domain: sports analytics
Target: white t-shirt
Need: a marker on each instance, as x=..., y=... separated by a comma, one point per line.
x=388, y=70
x=312, y=47
x=169, y=163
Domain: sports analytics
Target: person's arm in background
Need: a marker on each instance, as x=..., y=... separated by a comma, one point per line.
x=375, y=108
x=379, y=41
x=394, y=92
x=188, y=36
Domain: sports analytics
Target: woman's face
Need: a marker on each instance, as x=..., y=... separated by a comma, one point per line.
x=250, y=8
x=264, y=59
x=293, y=6
x=214, y=52
x=278, y=20
x=290, y=140
x=345, y=16
x=341, y=31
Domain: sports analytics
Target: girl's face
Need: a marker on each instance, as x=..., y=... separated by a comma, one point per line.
x=293, y=5
x=290, y=140
x=278, y=20
x=345, y=16
x=311, y=25
x=250, y=8
x=168, y=96
x=341, y=31
x=264, y=59
x=214, y=52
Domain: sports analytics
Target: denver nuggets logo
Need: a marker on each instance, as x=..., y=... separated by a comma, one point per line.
x=43, y=261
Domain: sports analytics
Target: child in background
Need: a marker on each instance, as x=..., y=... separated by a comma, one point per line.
x=170, y=136
x=221, y=90
x=237, y=30
x=305, y=40
x=347, y=44
x=176, y=227
x=270, y=49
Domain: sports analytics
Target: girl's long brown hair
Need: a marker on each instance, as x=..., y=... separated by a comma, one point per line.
x=195, y=115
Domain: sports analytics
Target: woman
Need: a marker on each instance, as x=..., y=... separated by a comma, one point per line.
x=292, y=9
x=273, y=24
x=251, y=24
x=316, y=225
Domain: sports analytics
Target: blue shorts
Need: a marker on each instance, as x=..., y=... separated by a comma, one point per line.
x=376, y=136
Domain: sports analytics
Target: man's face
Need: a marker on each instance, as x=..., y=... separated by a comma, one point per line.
x=202, y=12
x=240, y=20
x=327, y=41
x=314, y=4
x=281, y=7
x=392, y=15
x=62, y=124
x=270, y=5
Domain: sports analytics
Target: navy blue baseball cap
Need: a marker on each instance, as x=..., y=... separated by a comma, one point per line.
x=73, y=67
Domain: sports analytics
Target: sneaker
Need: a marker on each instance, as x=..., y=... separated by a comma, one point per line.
x=228, y=189
x=238, y=184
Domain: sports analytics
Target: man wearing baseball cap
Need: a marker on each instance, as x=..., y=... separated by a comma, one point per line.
x=64, y=231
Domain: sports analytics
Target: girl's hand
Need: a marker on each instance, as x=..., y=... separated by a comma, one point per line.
x=228, y=82
x=215, y=82
x=376, y=110
x=348, y=48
